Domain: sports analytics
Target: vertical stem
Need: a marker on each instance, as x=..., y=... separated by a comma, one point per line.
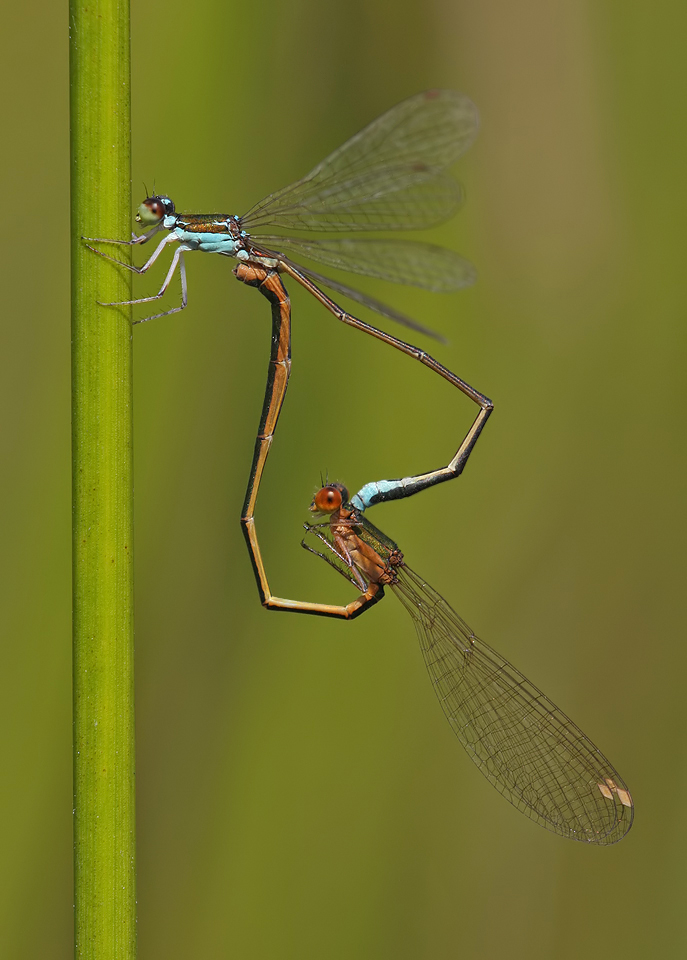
x=104, y=746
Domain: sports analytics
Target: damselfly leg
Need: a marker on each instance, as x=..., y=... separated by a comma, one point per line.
x=177, y=261
x=137, y=240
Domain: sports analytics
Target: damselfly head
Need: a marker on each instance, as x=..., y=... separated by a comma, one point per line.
x=153, y=209
x=329, y=498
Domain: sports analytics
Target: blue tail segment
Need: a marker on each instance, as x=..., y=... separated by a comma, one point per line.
x=377, y=492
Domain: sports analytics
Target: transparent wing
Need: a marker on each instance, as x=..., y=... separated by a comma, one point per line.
x=389, y=199
x=523, y=744
x=371, y=303
x=423, y=265
x=383, y=309
x=389, y=176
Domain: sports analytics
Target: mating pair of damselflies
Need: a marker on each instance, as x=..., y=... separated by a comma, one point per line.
x=391, y=176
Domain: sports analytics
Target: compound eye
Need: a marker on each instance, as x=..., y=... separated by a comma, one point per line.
x=328, y=499
x=151, y=212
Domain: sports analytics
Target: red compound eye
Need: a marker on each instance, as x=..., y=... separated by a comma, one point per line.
x=328, y=499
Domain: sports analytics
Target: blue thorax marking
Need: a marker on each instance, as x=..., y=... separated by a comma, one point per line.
x=208, y=242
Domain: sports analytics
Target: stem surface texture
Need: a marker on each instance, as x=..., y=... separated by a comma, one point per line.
x=104, y=745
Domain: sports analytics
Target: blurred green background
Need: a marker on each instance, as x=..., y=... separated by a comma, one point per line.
x=300, y=794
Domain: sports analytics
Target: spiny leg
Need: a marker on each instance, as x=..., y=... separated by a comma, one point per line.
x=379, y=491
x=171, y=238
x=323, y=556
x=178, y=257
x=347, y=570
x=136, y=239
x=271, y=287
x=177, y=260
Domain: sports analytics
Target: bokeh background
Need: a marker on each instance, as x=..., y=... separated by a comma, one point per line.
x=300, y=794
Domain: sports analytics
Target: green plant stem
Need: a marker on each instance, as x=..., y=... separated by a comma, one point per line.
x=104, y=745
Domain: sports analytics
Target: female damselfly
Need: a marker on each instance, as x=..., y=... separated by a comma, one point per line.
x=521, y=741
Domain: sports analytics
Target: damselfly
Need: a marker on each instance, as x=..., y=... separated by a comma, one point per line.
x=521, y=741
x=389, y=176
